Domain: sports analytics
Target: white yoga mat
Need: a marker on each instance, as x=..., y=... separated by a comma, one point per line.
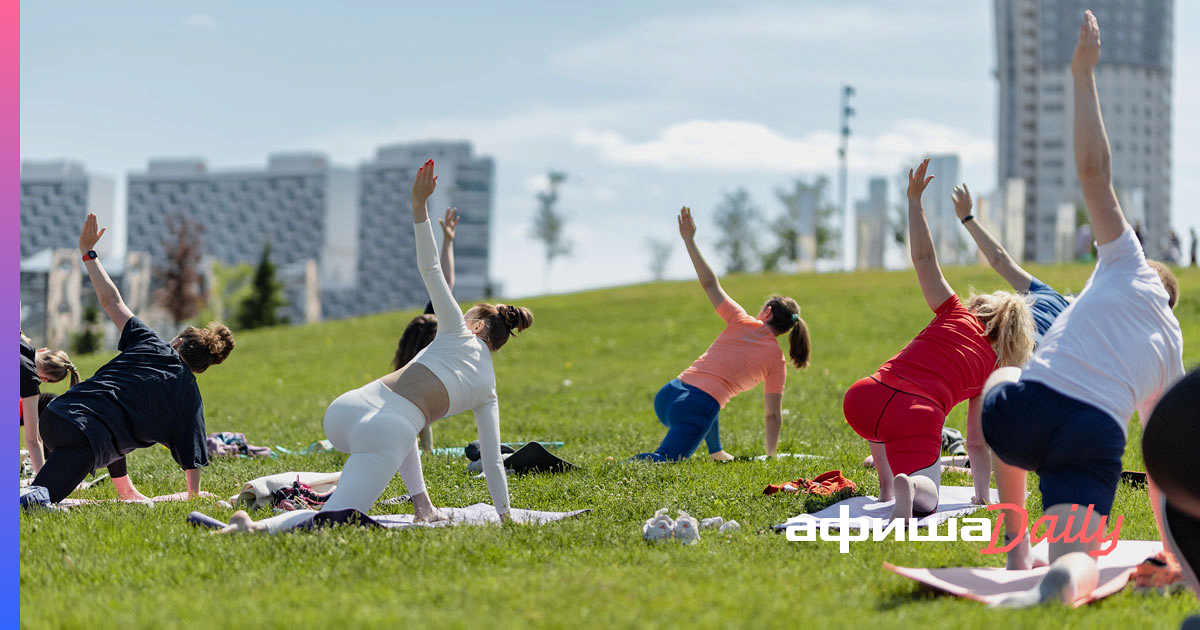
x=952, y=501
x=992, y=584
x=478, y=514
x=178, y=496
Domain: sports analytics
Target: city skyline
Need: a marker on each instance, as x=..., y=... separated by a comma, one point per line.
x=639, y=136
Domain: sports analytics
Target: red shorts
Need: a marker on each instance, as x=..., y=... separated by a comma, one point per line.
x=908, y=425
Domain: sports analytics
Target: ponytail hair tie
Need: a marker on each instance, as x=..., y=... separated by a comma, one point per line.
x=795, y=317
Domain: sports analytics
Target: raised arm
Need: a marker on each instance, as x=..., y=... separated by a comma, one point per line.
x=1093, y=161
x=449, y=224
x=920, y=242
x=996, y=256
x=106, y=292
x=447, y=311
x=708, y=280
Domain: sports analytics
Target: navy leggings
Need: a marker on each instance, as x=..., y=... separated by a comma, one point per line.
x=690, y=416
x=69, y=458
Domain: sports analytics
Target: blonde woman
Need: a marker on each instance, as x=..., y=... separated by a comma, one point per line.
x=37, y=367
x=901, y=408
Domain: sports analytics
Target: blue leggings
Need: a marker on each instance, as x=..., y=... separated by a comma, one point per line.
x=690, y=416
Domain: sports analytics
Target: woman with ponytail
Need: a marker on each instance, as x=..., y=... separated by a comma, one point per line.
x=377, y=424
x=901, y=408
x=743, y=355
x=37, y=367
x=145, y=395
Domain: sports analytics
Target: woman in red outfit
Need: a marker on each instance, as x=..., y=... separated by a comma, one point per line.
x=901, y=408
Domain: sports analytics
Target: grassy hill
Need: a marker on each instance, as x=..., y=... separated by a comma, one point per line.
x=585, y=374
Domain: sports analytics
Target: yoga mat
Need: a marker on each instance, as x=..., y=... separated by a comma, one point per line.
x=952, y=501
x=178, y=496
x=992, y=584
x=763, y=458
x=478, y=514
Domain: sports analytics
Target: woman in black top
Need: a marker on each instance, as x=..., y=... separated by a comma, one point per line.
x=145, y=395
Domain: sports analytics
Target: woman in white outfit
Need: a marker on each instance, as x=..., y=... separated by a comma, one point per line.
x=377, y=424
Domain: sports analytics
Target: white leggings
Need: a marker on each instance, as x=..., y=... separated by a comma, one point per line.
x=378, y=428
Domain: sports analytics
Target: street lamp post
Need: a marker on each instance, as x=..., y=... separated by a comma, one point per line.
x=848, y=237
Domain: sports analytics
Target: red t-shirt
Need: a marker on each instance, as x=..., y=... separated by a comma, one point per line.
x=947, y=362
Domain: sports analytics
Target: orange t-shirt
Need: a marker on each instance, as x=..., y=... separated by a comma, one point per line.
x=744, y=354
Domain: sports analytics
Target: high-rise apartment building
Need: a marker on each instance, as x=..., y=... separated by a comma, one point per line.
x=871, y=215
x=1035, y=40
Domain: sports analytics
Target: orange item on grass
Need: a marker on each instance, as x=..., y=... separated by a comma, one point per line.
x=825, y=484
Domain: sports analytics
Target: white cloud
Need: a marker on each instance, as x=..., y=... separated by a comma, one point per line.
x=742, y=146
x=201, y=21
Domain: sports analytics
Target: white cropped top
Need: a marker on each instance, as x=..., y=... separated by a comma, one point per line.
x=463, y=363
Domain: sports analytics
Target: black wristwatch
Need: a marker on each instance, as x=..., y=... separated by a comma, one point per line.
x=90, y=255
x=967, y=218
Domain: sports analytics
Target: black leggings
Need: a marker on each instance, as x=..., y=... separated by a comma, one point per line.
x=69, y=458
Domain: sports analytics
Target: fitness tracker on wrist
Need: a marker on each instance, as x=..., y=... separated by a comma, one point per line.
x=90, y=255
x=967, y=218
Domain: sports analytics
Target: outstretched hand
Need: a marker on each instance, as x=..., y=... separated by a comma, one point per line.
x=917, y=181
x=962, y=201
x=424, y=183
x=1087, y=49
x=449, y=224
x=90, y=234
x=687, y=225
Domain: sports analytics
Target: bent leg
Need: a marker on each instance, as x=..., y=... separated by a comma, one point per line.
x=1073, y=573
x=1010, y=485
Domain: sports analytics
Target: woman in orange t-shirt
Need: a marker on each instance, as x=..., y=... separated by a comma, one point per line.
x=743, y=355
x=901, y=409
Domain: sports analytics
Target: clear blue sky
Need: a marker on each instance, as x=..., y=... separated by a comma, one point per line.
x=647, y=105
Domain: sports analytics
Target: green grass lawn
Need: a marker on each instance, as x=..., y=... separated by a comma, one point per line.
x=114, y=566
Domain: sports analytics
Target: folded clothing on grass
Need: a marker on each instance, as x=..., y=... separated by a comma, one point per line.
x=990, y=585
x=261, y=492
x=478, y=514
x=825, y=484
x=228, y=444
x=531, y=458
x=952, y=501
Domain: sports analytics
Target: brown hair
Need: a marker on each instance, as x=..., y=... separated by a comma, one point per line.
x=501, y=321
x=202, y=347
x=419, y=333
x=56, y=365
x=785, y=316
x=1170, y=283
x=1007, y=324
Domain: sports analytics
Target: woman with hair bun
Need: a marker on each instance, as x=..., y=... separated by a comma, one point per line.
x=901, y=408
x=743, y=355
x=145, y=395
x=377, y=424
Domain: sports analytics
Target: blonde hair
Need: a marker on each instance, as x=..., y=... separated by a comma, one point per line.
x=1007, y=324
x=56, y=365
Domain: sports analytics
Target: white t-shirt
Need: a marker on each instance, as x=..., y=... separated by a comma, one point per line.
x=1118, y=347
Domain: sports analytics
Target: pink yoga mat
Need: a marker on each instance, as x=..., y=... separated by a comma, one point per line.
x=990, y=585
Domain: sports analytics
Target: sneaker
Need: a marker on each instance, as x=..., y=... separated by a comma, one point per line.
x=1159, y=573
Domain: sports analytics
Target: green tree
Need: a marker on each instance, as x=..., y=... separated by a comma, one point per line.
x=738, y=221
x=808, y=211
x=87, y=341
x=229, y=288
x=548, y=223
x=261, y=307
